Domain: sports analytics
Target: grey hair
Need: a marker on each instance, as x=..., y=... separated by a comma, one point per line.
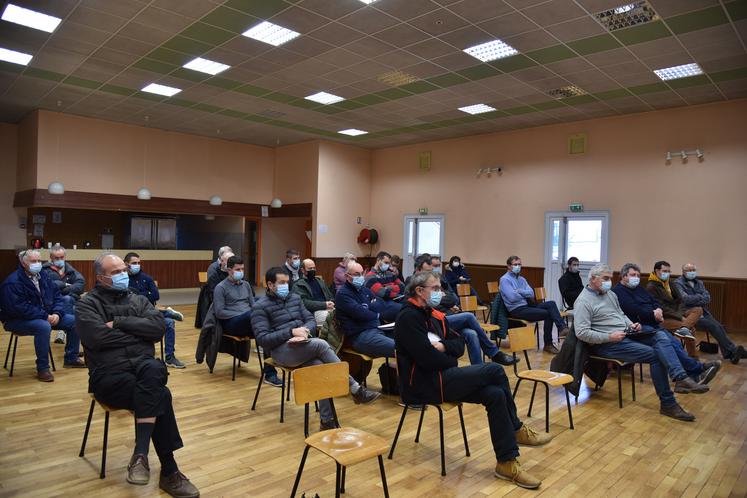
x=57, y=248
x=418, y=280
x=598, y=269
x=223, y=250
x=24, y=255
x=626, y=268
x=347, y=257
x=98, y=263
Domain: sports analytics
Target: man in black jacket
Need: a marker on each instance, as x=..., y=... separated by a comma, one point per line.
x=570, y=283
x=67, y=279
x=427, y=354
x=118, y=330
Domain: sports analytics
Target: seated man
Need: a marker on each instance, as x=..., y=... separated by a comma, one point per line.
x=314, y=293
x=359, y=314
x=570, y=283
x=519, y=300
x=456, y=274
x=385, y=285
x=342, y=267
x=677, y=318
x=216, y=265
x=601, y=323
x=282, y=326
x=292, y=265
x=68, y=281
x=427, y=354
x=639, y=306
x=693, y=293
x=141, y=283
x=118, y=330
x=30, y=304
x=397, y=265
x=220, y=273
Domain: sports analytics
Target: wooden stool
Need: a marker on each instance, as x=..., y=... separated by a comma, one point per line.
x=14, y=341
x=107, y=410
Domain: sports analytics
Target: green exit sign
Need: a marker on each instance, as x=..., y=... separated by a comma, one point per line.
x=423, y=211
x=576, y=207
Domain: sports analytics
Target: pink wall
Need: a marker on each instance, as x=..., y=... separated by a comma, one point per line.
x=11, y=237
x=296, y=169
x=27, y=152
x=279, y=235
x=677, y=212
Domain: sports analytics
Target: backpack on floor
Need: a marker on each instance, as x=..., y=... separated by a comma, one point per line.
x=388, y=379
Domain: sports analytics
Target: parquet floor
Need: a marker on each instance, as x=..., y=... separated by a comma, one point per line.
x=232, y=451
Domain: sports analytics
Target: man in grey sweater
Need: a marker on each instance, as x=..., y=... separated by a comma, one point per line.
x=600, y=322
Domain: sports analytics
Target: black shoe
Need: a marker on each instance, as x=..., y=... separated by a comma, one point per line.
x=741, y=352
x=734, y=357
x=363, y=396
x=325, y=425
x=677, y=412
x=710, y=369
x=504, y=359
x=687, y=385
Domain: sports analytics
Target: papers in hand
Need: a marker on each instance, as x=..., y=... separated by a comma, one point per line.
x=433, y=337
x=387, y=326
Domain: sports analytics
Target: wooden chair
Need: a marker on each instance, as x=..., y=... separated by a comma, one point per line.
x=493, y=289
x=202, y=277
x=236, y=341
x=540, y=295
x=619, y=365
x=520, y=340
x=14, y=342
x=346, y=446
x=107, y=410
x=352, y=352
x=469, y=304
x=283, y=387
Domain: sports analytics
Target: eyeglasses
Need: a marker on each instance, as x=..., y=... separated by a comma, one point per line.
x=435, y=288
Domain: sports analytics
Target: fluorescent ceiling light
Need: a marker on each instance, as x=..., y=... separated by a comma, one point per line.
x=270, y=33
x=491, y=51
x=324, y=98
x=624, y=8
x=206, y=66
x=625, y=16
x=167, y=91
x=368, y=2
x=352, y=132
x=15, y=57
x=477, y=109
x=676, y=72
x=30, y=18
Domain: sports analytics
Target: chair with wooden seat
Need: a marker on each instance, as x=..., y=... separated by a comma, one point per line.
x=107, y=410
x=283, y=388
x=202, y=277
x=351, y=352
x=14, y=342
x=619, y=366
x=493, y=289
x=469, y=305
x=237, y=341
x=521, y=339
x=346, y=446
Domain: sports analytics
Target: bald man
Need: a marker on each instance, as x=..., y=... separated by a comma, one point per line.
x=316, y=296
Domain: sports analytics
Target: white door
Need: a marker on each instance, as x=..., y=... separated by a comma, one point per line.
x=422, y=234
x=583, y=235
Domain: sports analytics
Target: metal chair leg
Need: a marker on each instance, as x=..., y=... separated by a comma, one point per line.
x=396, y=434
x=306, y=420
x=282, y=399
x=420, y=424
x=342, y=480
x=619, y=387
x=516, y=388
x=531, y=401
x=441, y=435
x=632, y=379
x=233, y=369
x=259, y=386
x=13, y=359
x=288, y=389
x=526, y=358
x=7, y=352
x=51, y=360
x=640, y=367
x=337, y=480
x=300, y=470
x=103, y=451
x=547, y=407
x=88, y=427
x=383, y=477
x=163, y=358
x=464, y=431
x=568, y=404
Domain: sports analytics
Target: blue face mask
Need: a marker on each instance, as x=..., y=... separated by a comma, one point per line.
x=296, y=263
x=120, y=281
x=60, y=263
x=606, y=285
x=516, y=269
x=664, y=277
x=435, y=298
x=690, y=275
x=238, y=275
x=633, y=282
x=384, y=267
x=35, y=268
x=436, y=269
x=135, y=269
x=358, y=281
x=282, y=290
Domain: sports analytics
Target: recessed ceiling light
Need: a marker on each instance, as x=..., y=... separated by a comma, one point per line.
x=30, y=18
x=477, y=109
x=15, y=57
x=683, y=71
x=625, y=16
x=206, y=66
x=491, y=51
x=167, y=91
x=324, y=98
x=352, y=132
x=271, y=33
x=368, y=2
x=396, y=78
x=566, y=91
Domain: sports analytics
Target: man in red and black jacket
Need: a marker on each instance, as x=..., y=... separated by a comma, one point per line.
x=386, y=285
x=427, y=356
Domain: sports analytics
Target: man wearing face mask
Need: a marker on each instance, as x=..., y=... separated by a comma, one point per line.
x=67, y=279
x=600, y=322
x=386, y=285
x=639, y=306
x=427, y=357
x=282, y=326
x=30, y=304
x=119, y=330
x=293, y=265
x=570, y=283
x=519, y=300
x=693, y=293
x=677, y=318
x=314, y=292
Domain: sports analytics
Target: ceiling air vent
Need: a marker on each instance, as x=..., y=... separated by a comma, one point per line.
x=625, y=16
x=566, y=91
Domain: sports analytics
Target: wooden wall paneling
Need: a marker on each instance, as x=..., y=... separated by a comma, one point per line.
x=482, y=274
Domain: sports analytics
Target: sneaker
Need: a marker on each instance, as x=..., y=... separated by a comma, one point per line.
x=176, y=315
x=529, y=437
x=45, y=376
x=562, y=334
x=178, y=486
x=504, y=359
x=60, y=339
x=326, y=425
x=676, y=412
x=684, y=333
x=550, y=348
x=78, y=363
x=687, y=385
x=363, y=396
x=173, y=362
x=710, y=370
x=511, y=471
x=273, y=380
x=138, y=470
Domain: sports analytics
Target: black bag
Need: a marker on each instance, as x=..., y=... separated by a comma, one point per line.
x=708, y=347
x=388, y=379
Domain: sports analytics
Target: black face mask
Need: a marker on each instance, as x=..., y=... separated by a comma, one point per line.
x=311, y=274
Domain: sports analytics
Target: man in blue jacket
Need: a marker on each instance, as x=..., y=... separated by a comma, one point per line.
x=30, y=304
x=67, y=279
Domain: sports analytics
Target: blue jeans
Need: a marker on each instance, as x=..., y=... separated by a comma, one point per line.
x=476, y=339
x=635, y=351
x=389, y=312
x=239, y=325
x=169, y=338
x=547, y=311
x=373, y=343
x=69, y=304
x=41, y=329
x=671, y=353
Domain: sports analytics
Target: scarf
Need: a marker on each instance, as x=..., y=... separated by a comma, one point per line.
x=653, y=277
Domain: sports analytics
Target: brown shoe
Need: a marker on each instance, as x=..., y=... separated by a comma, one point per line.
x=178, y=486
x=45, y=376
x=562, y=334
x=550, y=348
x=138, y=470
x=687, y=385
x=78, y=363
x=528, y=437
x=511, y=471
x=677, y=412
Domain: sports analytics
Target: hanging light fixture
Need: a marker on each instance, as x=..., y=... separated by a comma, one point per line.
x=276, y=203
x=216, y=200
x=143, y=194
x=56, y=188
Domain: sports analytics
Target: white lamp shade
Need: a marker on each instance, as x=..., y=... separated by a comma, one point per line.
x=143, y=194
x=276, y=203
x=56, y=188
x=216, y=200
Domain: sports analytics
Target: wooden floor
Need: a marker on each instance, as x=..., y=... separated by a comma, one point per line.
x=232, y=451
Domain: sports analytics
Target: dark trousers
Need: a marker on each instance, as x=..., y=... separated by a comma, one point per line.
x=241, y=326
x=707, y=322
x=142, y=390
x=487, y=385
x=547, y=311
